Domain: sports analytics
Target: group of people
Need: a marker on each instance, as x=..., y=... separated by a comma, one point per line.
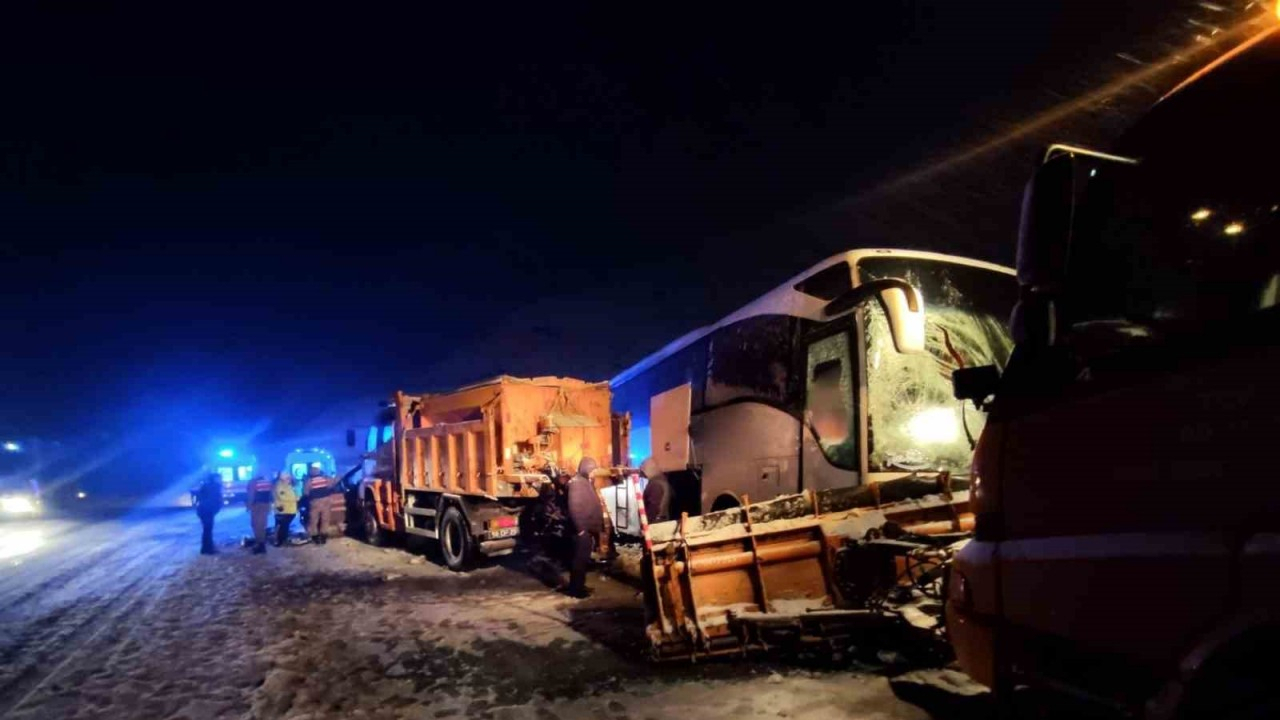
x=587, y=518
x=281, y=498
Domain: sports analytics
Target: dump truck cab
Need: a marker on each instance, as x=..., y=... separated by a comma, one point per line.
x=1128, y=531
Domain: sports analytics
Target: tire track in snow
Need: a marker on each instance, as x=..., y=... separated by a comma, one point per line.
x=140, y=573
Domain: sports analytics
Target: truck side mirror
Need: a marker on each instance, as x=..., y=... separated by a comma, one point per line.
x=975, y=383
x=903, y=306
x=351, y=437
x=1049, y=207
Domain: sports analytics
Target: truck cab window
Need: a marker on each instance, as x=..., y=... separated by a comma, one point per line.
x=829, y=405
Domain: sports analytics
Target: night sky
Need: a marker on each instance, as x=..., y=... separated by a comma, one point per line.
x=221, y=226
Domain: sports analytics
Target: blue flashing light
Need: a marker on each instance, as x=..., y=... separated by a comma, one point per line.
x=13, y=447
x=226, y=453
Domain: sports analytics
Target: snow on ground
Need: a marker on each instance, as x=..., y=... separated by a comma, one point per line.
x=347, y=630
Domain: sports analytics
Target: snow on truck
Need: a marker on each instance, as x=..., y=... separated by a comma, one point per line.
x=829, y=398
x=460, y=467
x=1127, y=538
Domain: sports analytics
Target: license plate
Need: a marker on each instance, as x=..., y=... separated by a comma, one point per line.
x=504, y=532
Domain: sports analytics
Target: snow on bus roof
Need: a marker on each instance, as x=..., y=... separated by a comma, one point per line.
x=786, y=300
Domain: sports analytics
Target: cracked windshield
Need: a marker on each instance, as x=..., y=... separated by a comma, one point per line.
x=914, y=422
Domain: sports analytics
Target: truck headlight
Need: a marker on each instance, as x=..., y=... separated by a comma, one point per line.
x=17, y=505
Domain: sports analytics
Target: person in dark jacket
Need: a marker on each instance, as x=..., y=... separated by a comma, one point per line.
x=586, y=519
x=657, y=492
x=208, y=503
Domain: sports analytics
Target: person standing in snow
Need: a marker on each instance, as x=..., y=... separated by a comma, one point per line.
x=586, y=521
x=319, y=512
x=657, y=492
x=286, y=497
x=259, y=499
x=208, y=503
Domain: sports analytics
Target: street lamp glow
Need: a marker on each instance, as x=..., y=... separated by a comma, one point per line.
x=1234, y=228
x=226, y=453
x=1201, y=214
x=11, y=446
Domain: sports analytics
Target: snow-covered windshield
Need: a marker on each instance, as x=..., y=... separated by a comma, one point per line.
x=914, y=421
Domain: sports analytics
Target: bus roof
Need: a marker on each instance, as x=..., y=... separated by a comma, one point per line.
x=786, y=300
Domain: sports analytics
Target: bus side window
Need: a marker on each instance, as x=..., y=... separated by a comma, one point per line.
x=750, y=360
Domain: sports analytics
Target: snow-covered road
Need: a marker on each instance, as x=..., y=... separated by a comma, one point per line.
x=123, y=619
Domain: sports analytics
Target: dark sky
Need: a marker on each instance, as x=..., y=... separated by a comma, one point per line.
x=215, y=223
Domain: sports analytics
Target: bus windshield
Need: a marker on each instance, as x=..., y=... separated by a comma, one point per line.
x=914, y=422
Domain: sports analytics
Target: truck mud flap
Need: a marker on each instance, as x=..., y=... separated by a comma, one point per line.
x=785, y=572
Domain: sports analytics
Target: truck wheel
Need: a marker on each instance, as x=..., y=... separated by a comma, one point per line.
x=455, y=540
x=373, y=532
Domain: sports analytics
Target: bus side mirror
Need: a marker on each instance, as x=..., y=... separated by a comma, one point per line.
x=903, y=307
x=975, y=383
x=351, y=437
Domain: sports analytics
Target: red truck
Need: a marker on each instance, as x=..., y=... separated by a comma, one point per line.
x=1127, y=537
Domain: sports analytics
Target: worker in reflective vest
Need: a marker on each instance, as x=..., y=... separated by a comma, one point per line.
x=320, y=512
x=286, y=506
x=260, y=500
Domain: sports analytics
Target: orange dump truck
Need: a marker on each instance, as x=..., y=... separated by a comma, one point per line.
x=460, y=467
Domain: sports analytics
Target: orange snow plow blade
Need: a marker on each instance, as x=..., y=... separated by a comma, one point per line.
x=804, y=568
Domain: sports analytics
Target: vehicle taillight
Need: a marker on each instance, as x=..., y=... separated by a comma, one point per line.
x=503, y=522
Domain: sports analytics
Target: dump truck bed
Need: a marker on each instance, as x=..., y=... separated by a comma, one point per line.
x=500, y=437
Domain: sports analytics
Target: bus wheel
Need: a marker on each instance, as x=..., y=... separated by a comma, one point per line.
x=373, y=532
x=455, y=540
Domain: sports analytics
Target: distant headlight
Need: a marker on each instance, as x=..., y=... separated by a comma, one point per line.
x=17, y=505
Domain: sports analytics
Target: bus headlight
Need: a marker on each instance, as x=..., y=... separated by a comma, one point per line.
x=935, y=426
x=17, y=505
